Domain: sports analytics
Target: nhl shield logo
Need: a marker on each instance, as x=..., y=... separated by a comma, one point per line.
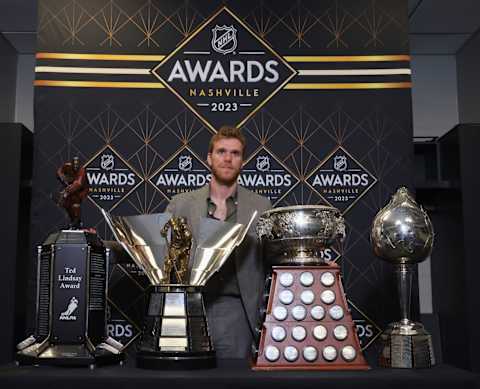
x=107, y=162
x=185, y=163
x=263, y=163
x=340, y=163
x=224, y=39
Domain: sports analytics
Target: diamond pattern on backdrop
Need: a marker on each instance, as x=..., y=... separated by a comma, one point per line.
x=295, y=132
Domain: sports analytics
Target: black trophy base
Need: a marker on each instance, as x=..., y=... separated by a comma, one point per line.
x=175, y=333
x=66, y=355
x=177, y=361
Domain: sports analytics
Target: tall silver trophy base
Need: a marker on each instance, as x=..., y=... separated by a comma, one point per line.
x=406, y=345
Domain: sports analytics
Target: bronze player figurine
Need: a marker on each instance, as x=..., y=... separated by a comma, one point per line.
x=74, y=179
x=176, y=263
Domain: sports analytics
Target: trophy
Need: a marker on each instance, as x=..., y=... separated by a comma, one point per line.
x=175, y=329
x=73, y=178
x=402, y=234
x=307, y=324
x=72, y=274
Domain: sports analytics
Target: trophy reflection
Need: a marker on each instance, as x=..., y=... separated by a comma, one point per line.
x=175, y=329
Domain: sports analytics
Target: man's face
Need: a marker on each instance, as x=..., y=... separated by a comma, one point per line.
x=226, y=160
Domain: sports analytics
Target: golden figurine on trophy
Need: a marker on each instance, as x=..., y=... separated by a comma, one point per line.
x=178, y=252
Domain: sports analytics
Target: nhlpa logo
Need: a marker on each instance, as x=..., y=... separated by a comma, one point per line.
x=185, y=163
x=224, y=39
x=340, y=163
x=107, y=162
x=263, y=163
x=72, y=307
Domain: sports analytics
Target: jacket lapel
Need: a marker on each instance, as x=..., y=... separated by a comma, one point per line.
x=246, y=261
x=243, y=216
x=199, y=208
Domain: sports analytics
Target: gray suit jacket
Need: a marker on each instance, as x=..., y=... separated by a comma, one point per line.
x=248, y=260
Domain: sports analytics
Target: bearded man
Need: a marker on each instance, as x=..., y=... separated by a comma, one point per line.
x=233, y=295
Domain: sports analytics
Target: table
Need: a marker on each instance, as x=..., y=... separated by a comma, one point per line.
x=231, y=374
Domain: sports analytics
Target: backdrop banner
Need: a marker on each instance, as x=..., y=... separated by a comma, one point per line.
x=135, y=88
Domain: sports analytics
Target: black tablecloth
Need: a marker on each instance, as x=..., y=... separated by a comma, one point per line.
x=229, y=375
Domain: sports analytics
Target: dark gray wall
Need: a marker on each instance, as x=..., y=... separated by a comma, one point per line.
x=24, y=97
x=434, y=94
x=8, y=79
x=468, y=60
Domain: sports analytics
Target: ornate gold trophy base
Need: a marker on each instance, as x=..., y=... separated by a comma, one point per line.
x=406, y=344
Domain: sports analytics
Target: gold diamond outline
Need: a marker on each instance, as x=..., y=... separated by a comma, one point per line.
x=256, y=152
x=170, y=160
x=262, y=42
x=338, y=254
x=368, y=318
x=127, y=274
x=130, y=321
x=142, y=180
x=375, y=179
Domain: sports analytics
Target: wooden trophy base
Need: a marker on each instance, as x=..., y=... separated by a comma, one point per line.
x=308, y=325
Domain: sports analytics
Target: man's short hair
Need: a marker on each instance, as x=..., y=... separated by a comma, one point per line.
x=228, y=132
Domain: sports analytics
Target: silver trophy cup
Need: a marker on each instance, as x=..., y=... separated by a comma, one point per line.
x=402, y=234
x=304, y=296
x=297, y=235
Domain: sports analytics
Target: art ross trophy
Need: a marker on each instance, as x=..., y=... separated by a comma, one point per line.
x=402, y=234
x=307, y=324
x=175, y=329
x=72, y=274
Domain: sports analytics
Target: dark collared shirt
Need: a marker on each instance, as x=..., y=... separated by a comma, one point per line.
x=224, y=283
x=231, y=209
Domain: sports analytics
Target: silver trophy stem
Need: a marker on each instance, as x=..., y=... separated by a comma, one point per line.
x=404, y=284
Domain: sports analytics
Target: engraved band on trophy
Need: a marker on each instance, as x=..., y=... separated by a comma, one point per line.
x=402, y=234
x=307, y=323
x=72, y=276
x=175, y=329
